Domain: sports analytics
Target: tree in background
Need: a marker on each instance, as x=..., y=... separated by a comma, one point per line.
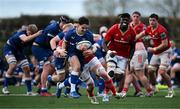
x=105, y=7
x=170, y=8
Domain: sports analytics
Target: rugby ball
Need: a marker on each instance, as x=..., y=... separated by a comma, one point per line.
x=83, y=45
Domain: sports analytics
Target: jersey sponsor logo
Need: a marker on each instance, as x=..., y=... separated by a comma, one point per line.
x=120, y=41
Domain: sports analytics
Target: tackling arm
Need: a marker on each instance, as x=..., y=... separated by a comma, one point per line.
x=30, y=37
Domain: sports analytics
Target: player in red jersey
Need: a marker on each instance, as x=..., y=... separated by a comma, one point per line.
x=120, y=40
x=138, y=60
x=161, y=51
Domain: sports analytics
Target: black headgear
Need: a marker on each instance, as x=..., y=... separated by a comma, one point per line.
x=65, y=19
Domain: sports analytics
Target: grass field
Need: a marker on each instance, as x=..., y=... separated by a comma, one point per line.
x=17, y=101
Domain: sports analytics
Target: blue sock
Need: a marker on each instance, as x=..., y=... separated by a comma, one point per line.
x=43, y=89
x=66, y=82
x=49, y=78
x=28, y=85
x=101, y=85
x=6, y=81
x=74, y=81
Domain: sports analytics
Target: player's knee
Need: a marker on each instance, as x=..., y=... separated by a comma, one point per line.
x=162, y=69
x=12, y=67
x=26, y=68
x=151, y=69
x=90, y=82
x=101, y=71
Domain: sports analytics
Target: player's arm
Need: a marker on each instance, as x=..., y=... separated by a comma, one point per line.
x=25, y=38
x=163, y=45
x=108, y=38
x=53, y=42
x=105, y=45
x=140, y=35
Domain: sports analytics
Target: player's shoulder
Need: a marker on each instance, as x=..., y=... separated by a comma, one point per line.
x=161, y=28
x=71, y=31
x=115, y=25
x=89, y=33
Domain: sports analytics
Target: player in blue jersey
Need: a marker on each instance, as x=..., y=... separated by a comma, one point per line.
x=13, y=52
x=61, y=65
x=41, y=49
x=83, y=59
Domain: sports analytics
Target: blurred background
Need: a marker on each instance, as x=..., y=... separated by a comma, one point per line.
x=15, y=13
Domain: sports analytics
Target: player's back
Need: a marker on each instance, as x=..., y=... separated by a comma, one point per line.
x=15, y=41
x=48, y=33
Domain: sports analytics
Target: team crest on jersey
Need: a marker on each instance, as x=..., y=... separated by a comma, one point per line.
x=73, y=37
x=116, y=35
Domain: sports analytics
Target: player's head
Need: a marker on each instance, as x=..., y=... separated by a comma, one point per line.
x=67, y=27
x=64, y=20
x=125, y=19
x=153, y=20
x=103, y=30
x=31, y=29
x=136, y=16
x=83, y=25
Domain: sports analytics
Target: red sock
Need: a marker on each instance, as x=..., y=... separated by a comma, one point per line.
x=109, y=86
x=125, y=90
x=106, y=91
x=149, y=90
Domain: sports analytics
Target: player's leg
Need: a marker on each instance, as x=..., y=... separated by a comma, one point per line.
x=12, y=62
x=165, y=62
x=48, y=68
x=139, y=67
x=86, y=77
x=152, y=68
x=44, y=57
x=95, y=66
x=75, y=64
x=25, y=67
x=60, y=85
x=175, y=68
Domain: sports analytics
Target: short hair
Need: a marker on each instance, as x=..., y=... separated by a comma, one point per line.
x=154, y=16
x=65, y=19
x=125, y=15
x=83, y=20
x=32, y=28
x=136, y=12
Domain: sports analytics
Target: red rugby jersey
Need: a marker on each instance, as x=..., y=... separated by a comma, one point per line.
x=120, y=41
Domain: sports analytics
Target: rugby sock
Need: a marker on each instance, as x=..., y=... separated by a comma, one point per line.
x=109, y=85
x=43, y=89
x=74, y=80
x=7, y=79
x=66, y=82
x=149, y=90
x=125, y=90
x=28, y=84
x=49, y=78
x=101, y=85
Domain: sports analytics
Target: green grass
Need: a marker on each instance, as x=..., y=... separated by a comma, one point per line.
x=20, y=102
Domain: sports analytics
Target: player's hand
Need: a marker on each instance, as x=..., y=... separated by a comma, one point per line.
x=56, y=53
x=39, y=32
x=88, y=52
x=111, y=53
x=62, y=52
x=150, y=49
